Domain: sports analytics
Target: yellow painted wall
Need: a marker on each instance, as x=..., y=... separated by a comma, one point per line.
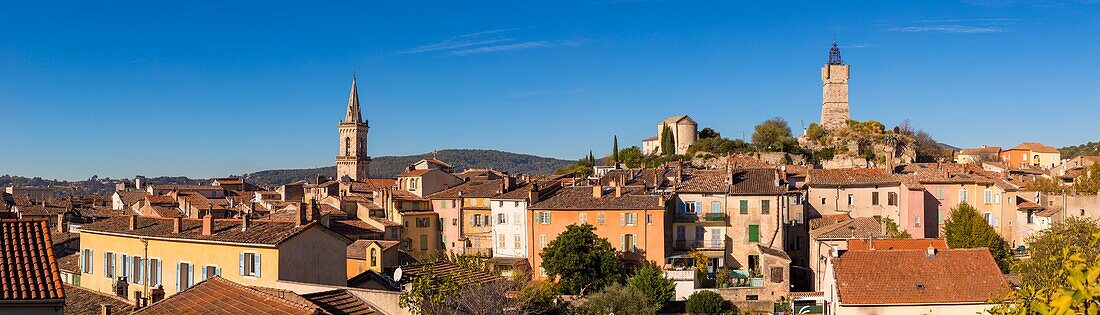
x=171, y=252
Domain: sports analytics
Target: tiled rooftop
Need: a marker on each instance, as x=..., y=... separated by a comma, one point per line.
x=217, y=296
x=28, y=268
x=81, y=301
x=914, y=277
x=358, y=249
x=855, y=228
x=341, y=302
x=850, y=177
x=225, y=230
x=581, y=198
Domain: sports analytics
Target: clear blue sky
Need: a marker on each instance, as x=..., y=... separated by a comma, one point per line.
x=120, y=88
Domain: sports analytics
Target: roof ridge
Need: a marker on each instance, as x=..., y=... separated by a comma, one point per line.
x=286, y=301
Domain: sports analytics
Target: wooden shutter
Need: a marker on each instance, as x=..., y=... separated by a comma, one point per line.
x=240, y=264
x=622, y=218
x=257, y=258
x=178, y=276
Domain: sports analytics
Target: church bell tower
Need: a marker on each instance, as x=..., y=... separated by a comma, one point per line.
x=352, y=160
x=834, y=94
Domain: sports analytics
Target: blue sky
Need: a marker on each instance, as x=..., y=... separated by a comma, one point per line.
x=214, y=88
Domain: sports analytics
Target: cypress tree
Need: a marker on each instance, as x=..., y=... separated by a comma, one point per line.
x=615, y=149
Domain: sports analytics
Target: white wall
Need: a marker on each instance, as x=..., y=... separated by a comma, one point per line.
x=515, y=213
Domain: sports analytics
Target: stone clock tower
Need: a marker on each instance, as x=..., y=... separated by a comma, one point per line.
x=353, y=161
x=834, y=94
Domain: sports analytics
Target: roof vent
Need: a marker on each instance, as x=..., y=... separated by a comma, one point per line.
x=920, y=286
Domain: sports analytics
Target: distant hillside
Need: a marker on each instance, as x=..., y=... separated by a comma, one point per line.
x=388, y=166
x=1091, y=148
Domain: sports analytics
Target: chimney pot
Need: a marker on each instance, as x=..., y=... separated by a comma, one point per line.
x=62, y=224
x=105, y=309
x=246, y=221
x=208, y=224
x=618, y=191
x=302, y=211
x=177, y=225
x=931, y=251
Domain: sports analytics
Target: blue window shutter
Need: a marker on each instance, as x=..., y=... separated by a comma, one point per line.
x=178, y=273
x=125, y=266
x=91, y=260
x=681, y=205
x=241, y=264
x=160, y=278
x=698, y=207
x=218, y=271
x=82, y=258
x=106, y=264
x=190, y=275
x=204, y=275
x=257, y=258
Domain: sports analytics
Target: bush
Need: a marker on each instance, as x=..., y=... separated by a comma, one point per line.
x=617, y=299
x=657, y=288
x=707, y=302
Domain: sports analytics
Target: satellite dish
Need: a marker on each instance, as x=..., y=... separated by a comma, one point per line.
x=397, y=274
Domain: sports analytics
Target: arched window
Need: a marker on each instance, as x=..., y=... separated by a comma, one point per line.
x=347, y=146
x=373, y=257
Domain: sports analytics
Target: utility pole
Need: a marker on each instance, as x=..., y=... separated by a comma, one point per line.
x=145, y=273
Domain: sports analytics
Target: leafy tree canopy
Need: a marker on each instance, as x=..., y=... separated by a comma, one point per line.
x=1045, y=248
x=657, y=288
x=617, y=299
x=708, y=133
x=965, y=228
x=772, y=135
x=581, y=261
x=708, y=302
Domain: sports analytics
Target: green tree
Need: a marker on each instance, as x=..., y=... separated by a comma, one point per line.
x=892, y=228
x=1045, y=185
x=965, y=228
x=708, y=302
x=708, y=133
x=581, y=261
x=1077, y=291
x=617, y=299
x=430, y=295
x=668, y=141
x=657, y=288
x=615, y=149
x=927, y=148
x=1088, y=183
x=772, y=134
x=815, y=132
x=1045, y=248
x=540, y=298
x=632, y=156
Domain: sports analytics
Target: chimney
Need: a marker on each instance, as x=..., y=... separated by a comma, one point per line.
x=302, y=210
x=597, y=191
x=208, y=224
x=618, y=189
x=133, y=222
x=931, y=252
x=533, y=195
x=246, y=221
x=62, y=223
x=156, y=294
x=315, y=211
x=105, y=309
x=177, y=225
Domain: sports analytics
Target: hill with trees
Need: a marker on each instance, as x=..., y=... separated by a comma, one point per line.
x=1091, y=148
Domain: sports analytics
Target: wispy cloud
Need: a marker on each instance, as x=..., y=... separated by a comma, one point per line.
x=857, y=46
x=960, y=29
x=492, y=41
x=965, y=20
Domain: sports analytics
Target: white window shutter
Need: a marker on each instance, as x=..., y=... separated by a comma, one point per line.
x=622, y=219
x=622, y=242
x=257, y=258
x=106, y=264
x=204, y=275
x=91, y=261
x=190, y=275
x=218, y=271
x=241, y=264
x=178, y=274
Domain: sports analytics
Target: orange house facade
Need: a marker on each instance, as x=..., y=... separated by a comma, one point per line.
x=632, y=222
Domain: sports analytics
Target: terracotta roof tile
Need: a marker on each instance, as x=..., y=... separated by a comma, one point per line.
x=854, y=228
x=581, y=198
x=28, y=268
x=1035, y=147
x=130, y=197
x=757, y=181
x=829, y=219
x=414, y=173
x=81, y=301
x=341, y=302
x=704, y=181
x=913, y=277
x=358, y=249
x=217, y=296
x=225, y=230
x=897, y=244
x=354, y=229
x=472, y=189
x=462, y=275
x=850, y=177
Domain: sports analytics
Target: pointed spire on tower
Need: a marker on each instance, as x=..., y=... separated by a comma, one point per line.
x=834, y=53
x=353, y=115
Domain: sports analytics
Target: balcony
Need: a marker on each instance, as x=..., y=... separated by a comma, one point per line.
x=715, y=217
x=699, y=244
x=706, y=218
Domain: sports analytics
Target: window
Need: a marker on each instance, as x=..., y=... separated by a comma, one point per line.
x=424, y=242
x=600, y=218
x=1082, y=212
x=715, y=207
x=765, y=206
x=629, y=243
x=519, y=242
x=989, y=218
x=86, y=261
x=501, y=218
x=681, y=232
x=515, y=218
x=138, y=273
x=454, y=221
x=939, y=192
x=962, y=195
x=743, y=205
x=582, y=218
x=154, y=272
x=649, y=219
x=374, y=257
x=501, y=241
x=754, y=233
x=700, y=233
x=892, y=198
x=515, y=203
x=628, y=219
x=500, y=203
x=916, y=221
x=423, y=222
x=822, y=200
x=542, y=218
x=125, y=266
x=109, y=265
x=987, y=196
x=777, y=274
x=689, y=207
x=250, y=264
x=210, y=271
x=874, y=198
x=185, y=276
x=542, y=241
x=715, y=238
x=997, y=198
x=1031, y=217
x=851, y=199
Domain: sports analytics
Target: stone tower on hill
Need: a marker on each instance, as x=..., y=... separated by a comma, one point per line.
x=834, y=91
x=353, y=161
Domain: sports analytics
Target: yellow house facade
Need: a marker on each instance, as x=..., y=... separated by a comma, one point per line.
x=176, y=254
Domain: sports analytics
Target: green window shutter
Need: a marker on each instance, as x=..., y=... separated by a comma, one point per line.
x=744, y=204
x=754, y=233
x=765, y=206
